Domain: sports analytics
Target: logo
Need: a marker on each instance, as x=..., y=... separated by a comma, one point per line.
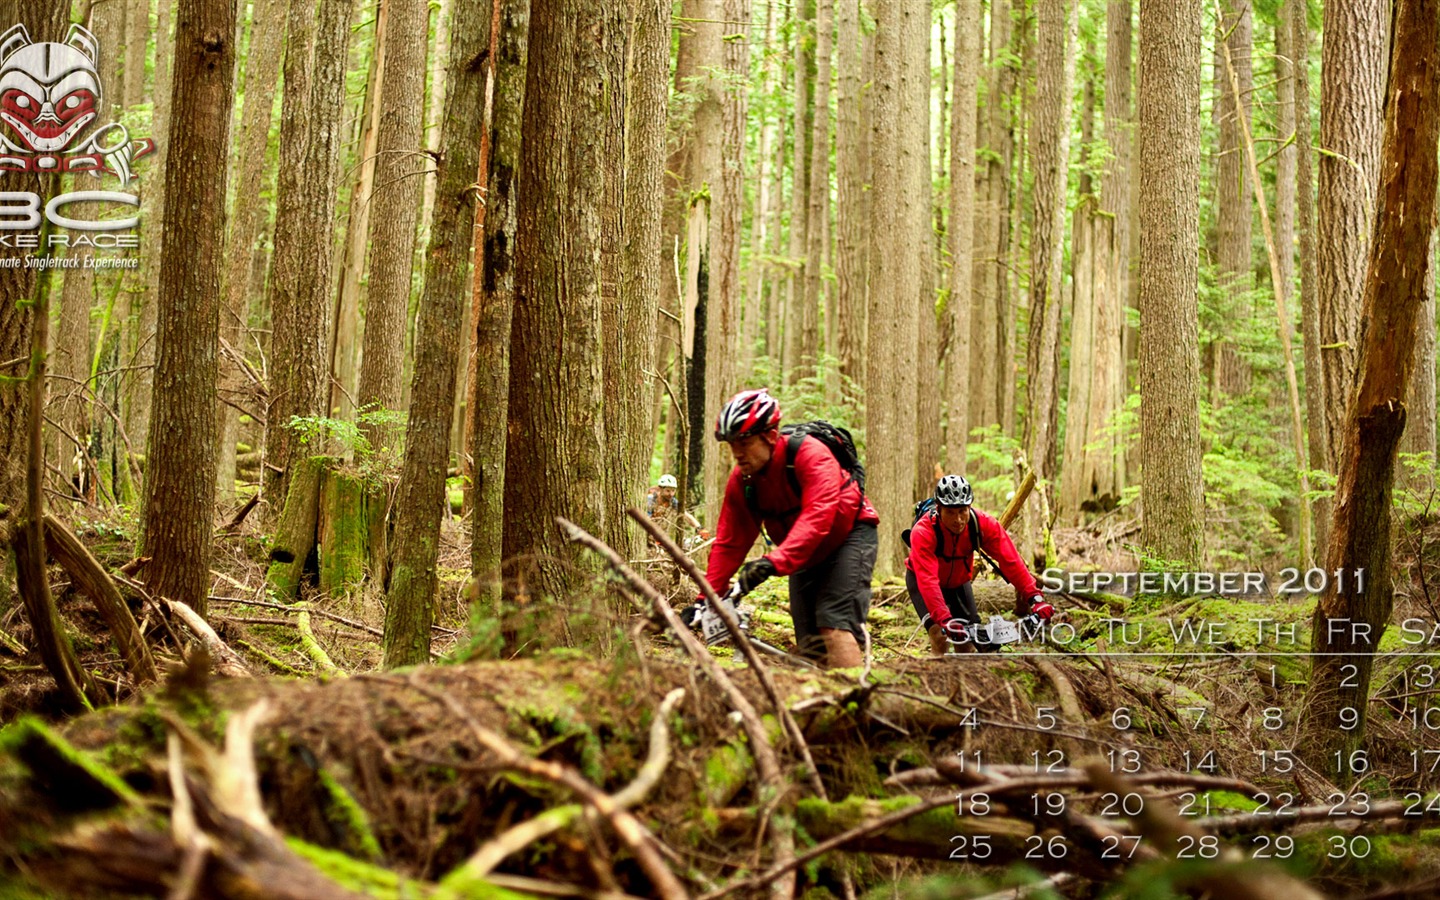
x=50, y=96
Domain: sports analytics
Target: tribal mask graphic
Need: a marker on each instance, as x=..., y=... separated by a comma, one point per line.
x=50, y=95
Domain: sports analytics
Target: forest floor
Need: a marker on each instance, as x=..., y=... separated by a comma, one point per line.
x=377, y=768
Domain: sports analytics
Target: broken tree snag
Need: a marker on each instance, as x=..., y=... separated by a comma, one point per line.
x=90, y=577
x=344, y=531
x=227, y=661
x=1394, y=299
x=295, y=532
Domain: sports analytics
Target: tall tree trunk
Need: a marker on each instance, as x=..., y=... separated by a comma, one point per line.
x=961, y=232
x=1285, y=157
x=420, y=497
x=928, y=438
x=180, y=482
x=894, y=277
x=137, y=37
x=1235, y=196
x=760, y=224
x=1318, y=449
x=1055, y=25
x=645, y=123
x=345, y=329
x=1393, y=299
x=818, y=194
x=1102, y=469
x=262, y=70
x=399, y=164
x=1169, y=107
x=1352, y=97
x=555, y=335
x=849, y=187
x=801, y=138
x=622, y=367
x=703, y=177
x=725, y=285
x=315, y=56
x=1420, y=401
x=489, y=413
x=1083, y=298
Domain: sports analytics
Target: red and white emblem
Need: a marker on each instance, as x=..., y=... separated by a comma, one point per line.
x=50, y=94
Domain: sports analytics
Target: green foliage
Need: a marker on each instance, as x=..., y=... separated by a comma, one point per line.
x=990, y=449
x=325, y=436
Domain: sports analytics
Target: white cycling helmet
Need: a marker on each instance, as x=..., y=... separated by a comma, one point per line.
x=954, y=490
x=667, y=481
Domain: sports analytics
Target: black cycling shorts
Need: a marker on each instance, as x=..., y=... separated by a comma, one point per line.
x=835, y=592
x=961, y=601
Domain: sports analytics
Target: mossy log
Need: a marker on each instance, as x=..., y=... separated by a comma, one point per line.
x=344, y=531
x=295, y=533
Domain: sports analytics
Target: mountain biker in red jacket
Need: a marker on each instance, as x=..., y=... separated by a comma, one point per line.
x=825, y=536
x=941, y=566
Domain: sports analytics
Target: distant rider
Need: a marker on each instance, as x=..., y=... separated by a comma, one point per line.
x=941, y=566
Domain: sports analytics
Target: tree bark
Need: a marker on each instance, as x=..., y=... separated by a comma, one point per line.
x=137, y=37
x=817, y=195
x=1394, y=298
x=725, y=286
x=1056, y=22
x=1169, y=106
x=315, y=56
x=399, y=167
x=991, y=272
x=960, y=233
x=489, y=413
x=1352, y=97
x=345, y=329
x=555, y=336
x=180, y=477
x=1420, y=401
x=800, y=144
x=247, y=221
x=849, y=186
x=1235, y=197
x=894, y=276
x=420, y=498
x=928, y=439
x=1318, y=447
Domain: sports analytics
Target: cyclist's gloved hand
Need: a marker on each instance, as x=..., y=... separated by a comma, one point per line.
x=690, y=615
x=1040, y=608
x=754, y=573
x=956, y=630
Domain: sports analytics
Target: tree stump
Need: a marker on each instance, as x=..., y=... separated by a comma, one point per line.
x=295, y=533
x=344, y=531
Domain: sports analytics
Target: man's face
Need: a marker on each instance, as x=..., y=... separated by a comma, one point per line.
x=666, y=494
x=954, y=519
x=752, y=453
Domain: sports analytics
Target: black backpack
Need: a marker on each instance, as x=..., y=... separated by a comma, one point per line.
x=836, y=439
x=927, y=506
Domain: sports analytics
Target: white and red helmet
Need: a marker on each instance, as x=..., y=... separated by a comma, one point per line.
x=747, y=413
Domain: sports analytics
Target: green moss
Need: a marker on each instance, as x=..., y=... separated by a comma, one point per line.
x=726, y=772
x=349, y=817
x=373, y=881
x=75, y=779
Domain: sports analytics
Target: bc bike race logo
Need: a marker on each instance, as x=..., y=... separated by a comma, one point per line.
x=50, y=97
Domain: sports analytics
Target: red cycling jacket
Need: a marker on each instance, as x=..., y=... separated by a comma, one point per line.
x=807, y=528
x=954, y=563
